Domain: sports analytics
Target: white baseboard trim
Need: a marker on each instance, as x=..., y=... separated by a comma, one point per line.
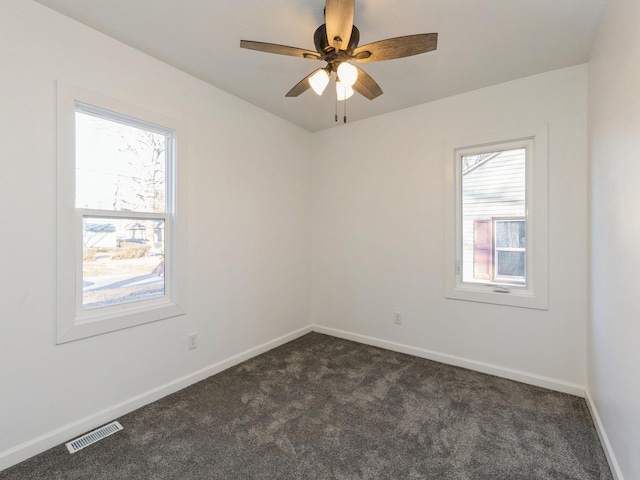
x=60, y=435
x=503, y=372
x=604, y=439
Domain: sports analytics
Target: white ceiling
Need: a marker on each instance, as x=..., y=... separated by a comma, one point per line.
x=480, y=43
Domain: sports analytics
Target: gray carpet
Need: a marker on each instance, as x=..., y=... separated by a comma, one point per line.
x=325, y=408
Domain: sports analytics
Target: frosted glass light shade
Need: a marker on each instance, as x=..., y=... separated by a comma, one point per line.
x=319, y=81
x=343, y=91
x=348, y=74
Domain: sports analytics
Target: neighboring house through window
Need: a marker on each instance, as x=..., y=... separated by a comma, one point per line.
x=493, y=211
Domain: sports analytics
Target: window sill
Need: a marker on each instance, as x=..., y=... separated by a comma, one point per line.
x=104, y=322
x=514, y=297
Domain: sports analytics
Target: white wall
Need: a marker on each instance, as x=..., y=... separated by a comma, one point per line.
x=614, y=144
x=248, y=221
x=378, y=240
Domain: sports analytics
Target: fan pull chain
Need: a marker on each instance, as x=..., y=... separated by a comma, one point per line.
x=345, y=111
x=336, y=108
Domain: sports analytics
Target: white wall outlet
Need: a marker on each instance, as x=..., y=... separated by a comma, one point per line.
x=397, y=318
x=193, y=341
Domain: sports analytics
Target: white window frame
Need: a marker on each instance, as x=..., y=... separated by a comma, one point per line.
x=535, y=293
x=73, y=321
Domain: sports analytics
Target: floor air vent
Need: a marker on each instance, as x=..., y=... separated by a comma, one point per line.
x=92, y=437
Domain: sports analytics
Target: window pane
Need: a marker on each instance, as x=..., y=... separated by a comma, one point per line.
x=493, y=187
x=510, y=264
x=510, y=234
x=122, y=260
x=119, y=167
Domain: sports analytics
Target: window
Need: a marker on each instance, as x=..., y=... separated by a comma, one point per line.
x=509, y=257
x=119, y=243
x=496, y=223
x=499, y=252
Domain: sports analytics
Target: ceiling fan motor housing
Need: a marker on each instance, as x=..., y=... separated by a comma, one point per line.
x=322, y=42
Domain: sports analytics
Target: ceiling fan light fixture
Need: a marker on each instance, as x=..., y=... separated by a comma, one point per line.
x=348, y=74
x=319, y=81
x=343, y=92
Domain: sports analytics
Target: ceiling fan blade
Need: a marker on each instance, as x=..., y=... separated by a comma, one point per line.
x=302, y=86
x=397, y=47
x=366, y=86
x=339, y=19
x=279, y=49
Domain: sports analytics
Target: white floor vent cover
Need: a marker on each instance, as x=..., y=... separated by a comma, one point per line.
x=92, y=437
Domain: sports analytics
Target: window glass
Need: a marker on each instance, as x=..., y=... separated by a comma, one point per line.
x=509, y=234
x=510, y=264
x=510, y=250
x=119, y=166
x=493, y=187
x=122, y=260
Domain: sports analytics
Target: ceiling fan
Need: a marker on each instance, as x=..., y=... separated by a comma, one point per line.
x=336, y=43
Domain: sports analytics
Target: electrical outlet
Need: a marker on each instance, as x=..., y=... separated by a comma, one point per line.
x=193, y=341
x=397, y=318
